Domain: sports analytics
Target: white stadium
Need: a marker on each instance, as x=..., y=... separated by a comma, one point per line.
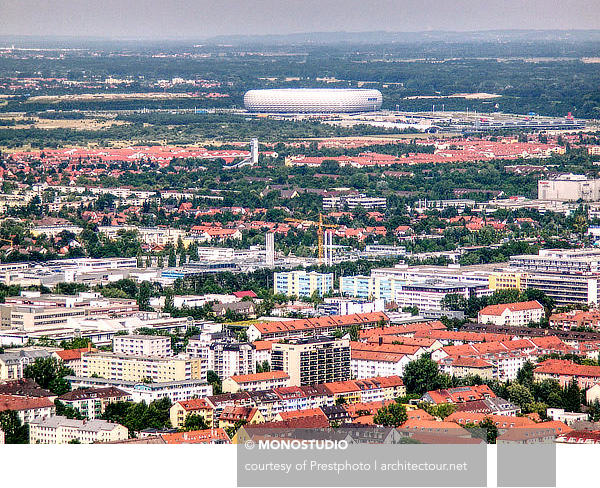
x=313, y=100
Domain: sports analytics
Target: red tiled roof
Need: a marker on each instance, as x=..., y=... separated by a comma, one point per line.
x=205, y=436
x=298, y=414
x=513, y=307
x=18, y=403
x=72, y=354
x=461, y=394
x=195, y=404
x=567, y=368
x=266, y=376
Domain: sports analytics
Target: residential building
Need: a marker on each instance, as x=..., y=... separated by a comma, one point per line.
x=92, y=402
x=256, y=381
x=490, y=406
x=315, y=326
x=27, y=409
x=13, y=364
x=148, y=392
x=61, y=430
x=313, y=360
x=566, y=371
x=366, y=364
x=222, y=354
x=244, y=308
x=519, y=314
x=207, y=436
x=568, y=418
x=457, y=395
x=575, y=319
x=142, y=345
x=371, y=287
x=71, y=358
x=302, y=284
x=462, y=366
x=236, y=416
x=115, y=366
x=181, y=410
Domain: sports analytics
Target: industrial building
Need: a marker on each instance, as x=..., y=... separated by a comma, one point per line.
x=569, y=188
x=313, y=100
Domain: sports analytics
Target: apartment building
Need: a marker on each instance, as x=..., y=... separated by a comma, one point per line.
x=575, y=318
x=256, y=382
x=463, y=366
x=13, y=364
x=71, y=358
x=142, y=345
x=115, y=366
x=519, y=314
x=372, y=287
x=312, y=360
x=27, y=409
x=223, y=355
x=148, y=392
x=302, y=284
x=565, y=371
x=366, y=364
x=92, y=402
x=181, y=410
x=61, y=430
x=315, y=326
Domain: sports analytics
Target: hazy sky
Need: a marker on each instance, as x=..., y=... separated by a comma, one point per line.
x=203, y=18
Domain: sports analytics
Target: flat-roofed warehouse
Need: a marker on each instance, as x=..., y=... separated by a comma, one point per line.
x=313, y=100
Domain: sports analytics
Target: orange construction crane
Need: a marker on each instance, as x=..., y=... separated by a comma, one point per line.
x=320, y=225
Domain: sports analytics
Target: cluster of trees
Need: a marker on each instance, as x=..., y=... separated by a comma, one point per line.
x=50, y=374
x=473, y=304
x=139, y=416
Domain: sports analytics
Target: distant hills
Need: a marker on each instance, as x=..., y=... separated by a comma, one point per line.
x=383, y=37
x=313, y=39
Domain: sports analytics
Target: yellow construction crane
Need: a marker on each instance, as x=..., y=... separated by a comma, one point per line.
x=11, y=240
x=320, y=225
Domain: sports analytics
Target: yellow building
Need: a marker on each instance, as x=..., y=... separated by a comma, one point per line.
x=154, y=369
x=234, y=416
x=180, y=411
x=506, y=280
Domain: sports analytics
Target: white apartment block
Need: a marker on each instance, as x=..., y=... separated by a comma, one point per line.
x=256, y=381
x=224, y=356
x=368, y=364
x=61, y=430
x=518, y=314
x=142, y=345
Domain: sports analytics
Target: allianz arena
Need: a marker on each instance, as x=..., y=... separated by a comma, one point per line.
x=313, y=100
